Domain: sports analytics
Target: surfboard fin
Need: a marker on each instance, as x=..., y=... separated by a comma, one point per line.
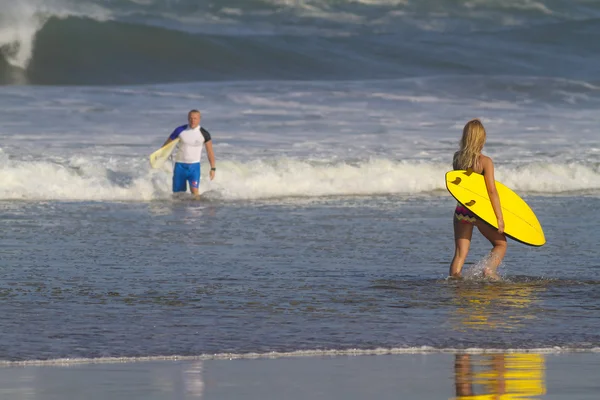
x=457, y=181
x=469, y=171
x=470, y=203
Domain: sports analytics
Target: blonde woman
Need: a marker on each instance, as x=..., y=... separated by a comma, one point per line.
x=469, y=157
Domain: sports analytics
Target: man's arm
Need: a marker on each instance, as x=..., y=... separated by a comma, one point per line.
x=174, y=135
x=209, y=152
x=211, y=158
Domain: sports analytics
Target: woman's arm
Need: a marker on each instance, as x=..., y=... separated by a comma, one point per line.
x=490, y=184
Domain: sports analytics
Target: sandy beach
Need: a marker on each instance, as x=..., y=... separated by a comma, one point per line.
x=410, y=376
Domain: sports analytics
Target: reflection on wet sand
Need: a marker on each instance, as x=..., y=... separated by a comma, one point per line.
x=193, y=380
x=499, y=376
x=488, y=306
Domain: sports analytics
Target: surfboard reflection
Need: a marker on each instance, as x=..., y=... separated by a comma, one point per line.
x=499, y=376
x=485, y=306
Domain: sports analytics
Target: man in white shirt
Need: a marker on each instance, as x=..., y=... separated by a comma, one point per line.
x=187, y=161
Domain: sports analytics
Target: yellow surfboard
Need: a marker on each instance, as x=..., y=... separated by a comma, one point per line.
x=520, y=222
x=158, y=158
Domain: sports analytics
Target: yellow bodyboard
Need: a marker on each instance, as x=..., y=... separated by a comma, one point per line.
x=520, y=222
x=158, y=158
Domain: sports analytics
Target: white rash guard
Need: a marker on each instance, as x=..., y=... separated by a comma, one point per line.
x=190, y=144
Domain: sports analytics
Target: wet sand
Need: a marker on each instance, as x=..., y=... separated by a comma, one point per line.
x=410, y=376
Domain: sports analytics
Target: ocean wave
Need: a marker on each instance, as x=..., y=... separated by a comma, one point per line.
x=21, y=21
x=86, y=179
x=63, y=42
x=302, y=353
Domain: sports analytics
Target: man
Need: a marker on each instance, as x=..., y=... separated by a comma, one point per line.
x=187, y=161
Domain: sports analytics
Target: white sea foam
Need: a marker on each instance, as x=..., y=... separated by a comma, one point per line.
x=21, y=20
x=300, y=353
x=85, y=178
x=551, y=178
x=78, y=179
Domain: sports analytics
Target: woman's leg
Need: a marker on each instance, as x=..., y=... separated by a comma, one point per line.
x=462, y=241
x=498, y=240
x=463, y=375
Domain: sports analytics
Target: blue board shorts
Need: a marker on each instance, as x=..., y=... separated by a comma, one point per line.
x=184, y=174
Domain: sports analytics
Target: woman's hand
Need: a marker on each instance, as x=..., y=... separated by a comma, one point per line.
x=501, y=225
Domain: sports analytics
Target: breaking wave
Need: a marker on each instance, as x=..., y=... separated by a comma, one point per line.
x=123, y=42
x=86, y=179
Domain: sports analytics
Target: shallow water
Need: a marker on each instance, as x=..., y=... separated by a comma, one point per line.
x=192, y=278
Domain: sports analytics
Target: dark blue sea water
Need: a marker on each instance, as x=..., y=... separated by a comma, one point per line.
x=130, y=42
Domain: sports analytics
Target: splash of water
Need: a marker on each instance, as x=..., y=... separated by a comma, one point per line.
x=20, y=21
x=477, y=271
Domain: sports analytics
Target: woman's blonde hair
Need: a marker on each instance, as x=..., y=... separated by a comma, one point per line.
x=471, y=144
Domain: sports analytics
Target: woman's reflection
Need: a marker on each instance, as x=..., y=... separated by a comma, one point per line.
x=499, y=376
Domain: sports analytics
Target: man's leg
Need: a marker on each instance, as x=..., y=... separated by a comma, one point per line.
x=194, y=178
x=179, y=178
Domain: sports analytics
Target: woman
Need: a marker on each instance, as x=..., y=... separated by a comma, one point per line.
x=469, y=157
